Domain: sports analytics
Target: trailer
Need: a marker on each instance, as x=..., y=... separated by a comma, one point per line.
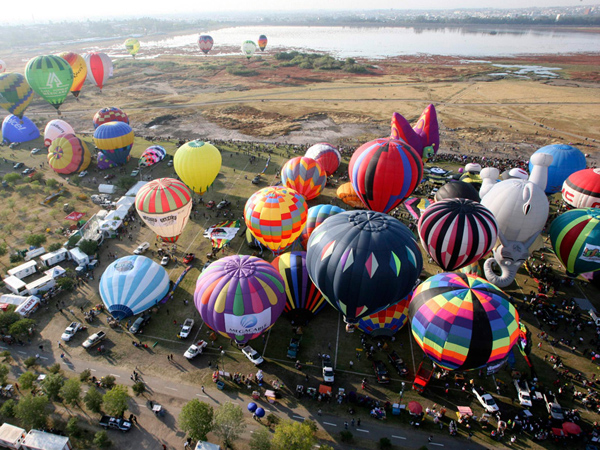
x=78, y=257
x=423, y=376
x=24, y=270
x=50, y=259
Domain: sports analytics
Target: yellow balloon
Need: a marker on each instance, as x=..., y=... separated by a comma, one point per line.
x=197, y=163
x=79, y=67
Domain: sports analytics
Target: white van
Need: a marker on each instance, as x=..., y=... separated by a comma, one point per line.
x=595, y=317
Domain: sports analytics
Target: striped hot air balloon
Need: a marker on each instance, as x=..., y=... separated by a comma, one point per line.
x=575, y=237
x=68, y=154
x=15, y=93
x=110, y=114
x=387, y=321
x=51, y=77
x=457, y=232
x=347, y=194
x=114, y=140
x=79, y=68
x=205, y=42
x=305, y=176
x=262, y=42
x=316, y=216
x=582, y=189
x=463, y=322
x=99, y=68
x=327, y=155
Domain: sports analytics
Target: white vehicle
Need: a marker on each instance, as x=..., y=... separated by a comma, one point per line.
x=553, y=407
x=165, y=260
x=328, y=374
x=253, y=355
x=486, y=400
x=186, y=329
x=135, y=173
x=94, y=339
x=142, y=248
x=35, y=151
x=195, y=349
x=83, y=174
x=170, y=163
x=70, y=331
x=523, y=393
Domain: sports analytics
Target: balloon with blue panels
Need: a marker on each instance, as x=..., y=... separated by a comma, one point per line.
x=566, y=160
x=17, y=130
x=131, y=285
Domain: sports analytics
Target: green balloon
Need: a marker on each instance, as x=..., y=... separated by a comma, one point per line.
x=51, y=77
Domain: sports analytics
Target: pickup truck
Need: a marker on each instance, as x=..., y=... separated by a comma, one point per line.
x=186, y=328
x=553, y=407
x=398, y=363
x=486, y=400
x=252, y=355
x=293, y=348
x=115, y=424
x=328, y=374
x=423, y=376
x=94, y=339
x=70, y=331
x=523, y=393
x=195, y=349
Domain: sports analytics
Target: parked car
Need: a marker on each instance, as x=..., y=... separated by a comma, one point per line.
x=28, y=171
x=110, y=176
x=523, y=393
x=398, y=363
x=223, y=204
x=328, y=373
x=553, y=407
x=165, y=260
x=256, y=179
x=18, y=165
x=486, y=400
x=186, y=329
x=195, y=349
x=210, y=204
x=188, y=258
x=142, y=248
x=94, y=339
x=254, y=357
x=83, y=174
x=135, y=173
x=70, y=331
x=35, y=151
x=381, y=372
x=170, y=163
x=115, y=424
x=139, y=323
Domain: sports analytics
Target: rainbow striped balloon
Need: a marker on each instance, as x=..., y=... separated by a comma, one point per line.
x=316, y=216
x=240, y=297
x=457, y=232
x=305, y=175
x=276, y=216
x=463, y=322
x=575, y=237
x=388, y=321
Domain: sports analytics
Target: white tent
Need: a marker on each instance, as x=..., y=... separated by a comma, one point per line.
x=56, y=272
x=136, y=187
x=107, y=188
x=12, y=299
x=203, y=445
x=125, y=202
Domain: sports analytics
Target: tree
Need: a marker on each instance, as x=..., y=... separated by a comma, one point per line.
x=6, y=356
x=101, y=439
x=4, y=371
x=51, y=182
x=108, y=381
x=73, y=427
x=8, y=318
x=93, y=399
x=30, y=362
x=196, y=419
x=27, y=379
x=296, y=435
x=385, y=443
x=115, y=400
x=71, y=391
x=37, y=240
x=11, y=177
x=261, y=440
x=126, y=182
x=54, y=368
x=52, y=385
x=31, y=411
x=65, y=283
x=138, y=388
x=8, y=408
x=88, y=247
x=85, y=375
x=55, y=246
x=21, y=327
x=3, y=249
x=229, y=423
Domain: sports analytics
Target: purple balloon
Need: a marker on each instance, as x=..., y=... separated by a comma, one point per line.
x=252, y=407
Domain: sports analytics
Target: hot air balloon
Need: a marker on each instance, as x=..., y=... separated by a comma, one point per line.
x=457, y=232
x=304, y=175
x=164, y=205
x=566, y=160
x=262, y=42
x=276, y=216
x=387, y=321
x=325, y=154
x=51, y=77
x=114, y=140
x=131, y=285
x=582, y=189
x=99, y=68
x=110, y=114
x=428, y=130
x=457, y=189
x=133, y=46
x=304, y=300
x=19, y=130
x=462, y=322
x=197, y=163
x=240, y=297
x=347, y=194
x=248, y=48
x=55, y=128
x=68, y=154
x=2, y=66
x=363, y=262
x=402, y=130
x=575, y=237
x=152, y=155
x=15, y=93
x=79, y=68
x=384, y=173
x=205, y=42
x=316, y=216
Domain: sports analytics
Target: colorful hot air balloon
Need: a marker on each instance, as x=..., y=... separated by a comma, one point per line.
x=457, y=189
x=304, y=300
x=15, y=93
x=384, y=173
x=347, y=194
x=99, y=68
x=68, y=154
x=164, y=205
x=363, y=262
x=2, y=66
x=248, y=48
x=325, y=154
x=114, y=140
x=205, y=42
x=304, y=175
x=133, y=46
x=262, y=42
x=575, y=237
x=582, y=189
x=110, y=114
x=463, y=322
x=79, y=68
x=566, y=160
x=131, y=285
x=19, y=130
x=197, y=163
x=387, y=321
x=152, y=155
x=276, y=216
x=316, y=216
x=457, y=232
x=51, y=77
x=402, y=130
x=428, y=130
x=54, y=129
x=240, y=297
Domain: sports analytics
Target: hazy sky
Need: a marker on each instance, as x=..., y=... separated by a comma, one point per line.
x=44, y=10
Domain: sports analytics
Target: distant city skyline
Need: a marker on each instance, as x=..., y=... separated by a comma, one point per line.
x=59, y=10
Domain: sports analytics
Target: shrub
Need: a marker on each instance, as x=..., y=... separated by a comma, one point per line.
x=385, y=443
x=54, y=368
x=355, y=68
x=272, y=419
x=26, y=379
x=101, y=439
x=11, y=177
x=30, y=362
x=139, y=388
x=37, y=240
x=108, y=381
x=55, y=246
x=8, y=408
x=82, y=197
x=15, y=257
x=88, y=247
x=85, y=375
x=73, y=427
x=52, y=183
x=346, y=436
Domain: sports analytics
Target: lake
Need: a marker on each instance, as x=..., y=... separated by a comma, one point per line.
x=377, y=43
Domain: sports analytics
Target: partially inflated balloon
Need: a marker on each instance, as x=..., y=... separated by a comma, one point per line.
x=428, y=129
x=566, y=160
x=132, y=45
x=15, y=93
x=240, y=297
x=402, y=130
x=387, y=321
x=457, y=189
x=205, y=42
x=325, y=154
x=262, y=42
x=68, y=154
x=197, y=163
x=305, y=175
x=248, y=48
x=51, y=77
x=582, y=189
x=316, y=216
x=384, y=173
x=79, y=68
x=99, y=68
x=114, y=140
x=19, y=130
x=152, y=155
x=54, y=129
x=347, y=194
x=110, y=114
